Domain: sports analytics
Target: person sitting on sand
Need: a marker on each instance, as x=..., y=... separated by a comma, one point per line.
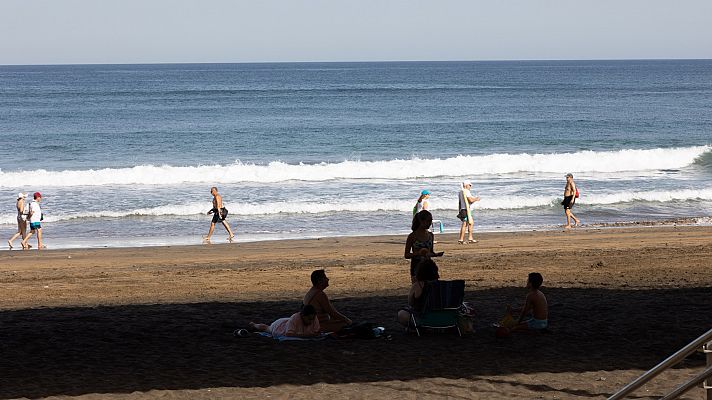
x=329, y=318
x=535, y=314
x=419, y=244
x=303, y=324
x=426, y=271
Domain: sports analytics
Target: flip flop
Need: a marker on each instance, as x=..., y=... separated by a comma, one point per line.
x=472, y=241
x=240, y=333
x=460, y=242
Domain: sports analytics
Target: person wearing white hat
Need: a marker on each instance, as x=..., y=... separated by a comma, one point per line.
x=21, y=219
x=466, y=199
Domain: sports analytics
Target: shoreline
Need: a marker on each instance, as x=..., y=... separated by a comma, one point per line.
x=193, y=241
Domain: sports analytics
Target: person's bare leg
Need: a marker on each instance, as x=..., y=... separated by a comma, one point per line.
x=20, y=233
x=568, y=219
x=24, y=241
x=229, y=231
x=462, y=232
x=12, y=239
x=259, y=327
x=39, y=239
x=576, y=220
x=404, y=318
x=470, y=228
x=210, y=232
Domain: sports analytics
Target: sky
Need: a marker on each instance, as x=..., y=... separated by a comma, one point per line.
x=170, y=31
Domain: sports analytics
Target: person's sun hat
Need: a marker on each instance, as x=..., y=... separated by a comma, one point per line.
x=424, y=192
x=21, y=195
x=466, y=183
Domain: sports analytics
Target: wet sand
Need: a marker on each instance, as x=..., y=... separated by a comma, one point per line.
x=144, y=323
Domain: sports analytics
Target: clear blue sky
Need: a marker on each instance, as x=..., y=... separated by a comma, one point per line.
x=148, y=31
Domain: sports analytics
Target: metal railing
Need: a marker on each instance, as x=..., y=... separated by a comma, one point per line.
x=704, y=342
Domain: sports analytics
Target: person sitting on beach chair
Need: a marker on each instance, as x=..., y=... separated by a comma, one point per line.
x=535, y=314
x=329, y=318
x=426, y=271
x=303, y=324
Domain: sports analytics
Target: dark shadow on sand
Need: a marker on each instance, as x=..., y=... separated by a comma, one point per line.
x=122, y=349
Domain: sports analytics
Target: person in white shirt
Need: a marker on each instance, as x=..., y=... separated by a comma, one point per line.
x=21, y=219
x=466, y=199
x=35, y=217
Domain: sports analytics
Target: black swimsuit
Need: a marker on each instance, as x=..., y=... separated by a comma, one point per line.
x=568, y=202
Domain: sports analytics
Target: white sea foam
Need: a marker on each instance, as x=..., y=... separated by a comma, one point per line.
x=584, y=161
x=303, y=207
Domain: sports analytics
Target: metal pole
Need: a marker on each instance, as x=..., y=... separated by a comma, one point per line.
x=708, y=383
x=669, y=362
x=679, y=391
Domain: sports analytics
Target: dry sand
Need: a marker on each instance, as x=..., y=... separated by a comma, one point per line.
x=141, y=323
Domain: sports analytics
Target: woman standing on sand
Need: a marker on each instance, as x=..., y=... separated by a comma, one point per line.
x=419, y=245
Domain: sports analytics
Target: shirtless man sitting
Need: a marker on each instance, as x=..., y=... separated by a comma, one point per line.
x=330, y=320
x=535, y=314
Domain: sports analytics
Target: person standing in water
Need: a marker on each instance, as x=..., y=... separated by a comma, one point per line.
x=21, y=219
x=570, y=194
x=219, y=214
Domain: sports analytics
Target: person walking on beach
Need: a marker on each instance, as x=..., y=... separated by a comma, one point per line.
x=570, y=195
x=465, y=200
x=219, y=213
x=21, y=219
x=35, y=217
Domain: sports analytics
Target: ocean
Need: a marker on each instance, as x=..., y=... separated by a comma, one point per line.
x=125, y=155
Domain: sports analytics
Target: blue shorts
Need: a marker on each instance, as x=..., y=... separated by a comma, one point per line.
x=536, y=324
x=35, y=225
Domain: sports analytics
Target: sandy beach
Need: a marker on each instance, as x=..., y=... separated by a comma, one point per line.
x=156, y=322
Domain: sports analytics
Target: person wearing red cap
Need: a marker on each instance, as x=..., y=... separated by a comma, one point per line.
x=35, y=217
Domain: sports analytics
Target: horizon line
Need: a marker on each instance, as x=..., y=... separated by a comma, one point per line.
x=353, y=61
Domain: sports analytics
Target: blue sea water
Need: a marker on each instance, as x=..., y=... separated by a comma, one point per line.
x=126, y=154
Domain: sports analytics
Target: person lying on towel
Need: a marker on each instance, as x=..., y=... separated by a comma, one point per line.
x=303, y=324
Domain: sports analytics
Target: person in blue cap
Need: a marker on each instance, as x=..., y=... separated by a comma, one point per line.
x=422, y=203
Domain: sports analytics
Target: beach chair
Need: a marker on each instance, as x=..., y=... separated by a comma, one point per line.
x=440, y=307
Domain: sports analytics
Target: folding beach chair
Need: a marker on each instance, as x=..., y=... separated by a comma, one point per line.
x=442, y=300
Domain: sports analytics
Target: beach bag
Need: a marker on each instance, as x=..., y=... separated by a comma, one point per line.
x=466, y=318
x=577, y=193
x=223, y=213
x=462, y=215
x=415, y=209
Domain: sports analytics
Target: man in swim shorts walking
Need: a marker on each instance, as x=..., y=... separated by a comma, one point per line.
x=35, y=217
x=569, y=201
x=219, y=215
